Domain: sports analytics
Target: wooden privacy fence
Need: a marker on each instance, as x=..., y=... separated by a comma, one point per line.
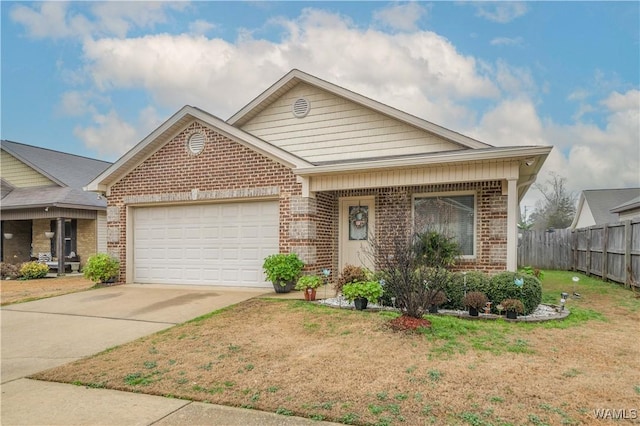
x=610, y=251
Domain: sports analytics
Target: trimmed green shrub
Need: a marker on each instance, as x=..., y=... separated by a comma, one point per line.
x=101, y=268
x=455, y=287
x=503, y=286
x=33, y=270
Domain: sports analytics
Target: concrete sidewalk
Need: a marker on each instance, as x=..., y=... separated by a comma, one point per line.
x=50, y=332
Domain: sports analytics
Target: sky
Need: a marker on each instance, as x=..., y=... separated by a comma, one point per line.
x=95, y=78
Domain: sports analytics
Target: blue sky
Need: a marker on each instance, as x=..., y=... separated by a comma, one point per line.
x=95, y=78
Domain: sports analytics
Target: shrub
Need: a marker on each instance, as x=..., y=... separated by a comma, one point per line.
x=529, y=270
x=308, y=281
x=438, y=298
x=475, y=299
x=436, y=250
x=350, y=274
x=513, y=305
x=9, y=270
x=460, y=283
x=503, y=286
x=101, y=268
x=282, y=268
x=33, y=270
x=370, y=290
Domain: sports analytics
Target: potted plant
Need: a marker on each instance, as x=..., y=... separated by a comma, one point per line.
x=474, y=300
x=309, y=284
x=362, y=292
x=437, y=298
x=283, y=270
x=513, y=307
x=101, y=268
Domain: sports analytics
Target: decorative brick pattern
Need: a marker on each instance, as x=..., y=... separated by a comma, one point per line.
x=303, y=205
x=113, y=234
x=308, y=254
x=113, y=213
x=302, y=230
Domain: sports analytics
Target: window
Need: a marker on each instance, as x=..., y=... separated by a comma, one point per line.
x=451, y=215
x=70, y=237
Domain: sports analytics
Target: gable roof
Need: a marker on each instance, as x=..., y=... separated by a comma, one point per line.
x=69, y=172
x=629, y=205
x=601, y=202
x=295, y=76
x=471, y=150
x=169, y=129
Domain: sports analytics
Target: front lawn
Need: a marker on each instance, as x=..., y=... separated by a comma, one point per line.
x=19, y=291
x=298, y=358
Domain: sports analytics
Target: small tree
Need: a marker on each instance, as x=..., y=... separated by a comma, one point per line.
x=412, y=268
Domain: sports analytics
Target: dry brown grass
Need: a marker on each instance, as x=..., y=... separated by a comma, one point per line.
x=295, y=357
x=17, y=291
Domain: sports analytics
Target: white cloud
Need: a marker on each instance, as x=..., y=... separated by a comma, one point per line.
x=420, y=72
x=54, y=19
x=501, y=12
x=201, y=27
x=402, y=17
x=110, y=135
x=506, y=41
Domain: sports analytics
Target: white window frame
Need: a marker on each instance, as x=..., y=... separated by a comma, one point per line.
x=451, y=194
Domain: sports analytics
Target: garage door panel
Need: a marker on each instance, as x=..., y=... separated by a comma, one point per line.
x=214, y=244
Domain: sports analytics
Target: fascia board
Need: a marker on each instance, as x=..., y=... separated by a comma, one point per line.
x=449, y=157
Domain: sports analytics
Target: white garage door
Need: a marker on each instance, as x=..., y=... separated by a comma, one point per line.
x=205, y=244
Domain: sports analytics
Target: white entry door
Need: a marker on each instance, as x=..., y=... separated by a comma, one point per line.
x=357, y=224
x=205, y=244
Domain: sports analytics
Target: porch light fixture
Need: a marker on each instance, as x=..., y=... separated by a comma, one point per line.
x=8, y=235
x=49, y=234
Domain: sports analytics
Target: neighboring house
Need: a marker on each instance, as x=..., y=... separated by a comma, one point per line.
x=44, y=207
x=601, y=206
x=306, y=167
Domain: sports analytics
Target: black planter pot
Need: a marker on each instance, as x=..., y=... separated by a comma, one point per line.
x=433, y=309
x=512, y=315
x=360, y=303
x=473, y=312
x=283, y=289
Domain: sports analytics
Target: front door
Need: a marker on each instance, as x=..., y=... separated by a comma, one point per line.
x=357, y=224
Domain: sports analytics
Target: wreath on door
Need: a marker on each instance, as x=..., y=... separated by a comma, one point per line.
x=359, y=217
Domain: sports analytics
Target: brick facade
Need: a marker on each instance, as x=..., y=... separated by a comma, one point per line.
x=224, y=170
x=227, y=170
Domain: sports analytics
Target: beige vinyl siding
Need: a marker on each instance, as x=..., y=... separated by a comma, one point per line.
x=417, y=176
x=101, y=232
x=337, y=129
x=19, y=174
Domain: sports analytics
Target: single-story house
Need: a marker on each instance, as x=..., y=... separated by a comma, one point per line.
x=45, y=210
x=602, y=206
x=306, y=167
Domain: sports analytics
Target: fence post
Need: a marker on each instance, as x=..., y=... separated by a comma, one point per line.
x=605, y=248
x=628, y=278
x=587, y=260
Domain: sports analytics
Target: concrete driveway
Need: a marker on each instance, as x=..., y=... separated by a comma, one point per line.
x=50, y=332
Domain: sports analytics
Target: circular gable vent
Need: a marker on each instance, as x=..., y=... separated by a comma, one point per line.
x=301, y=107
x=196, y=143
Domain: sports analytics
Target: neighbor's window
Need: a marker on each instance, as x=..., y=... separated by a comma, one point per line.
x=452, y=215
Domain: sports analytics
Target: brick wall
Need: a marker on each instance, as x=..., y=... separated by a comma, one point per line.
x=224, y=169
x=228, y=170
